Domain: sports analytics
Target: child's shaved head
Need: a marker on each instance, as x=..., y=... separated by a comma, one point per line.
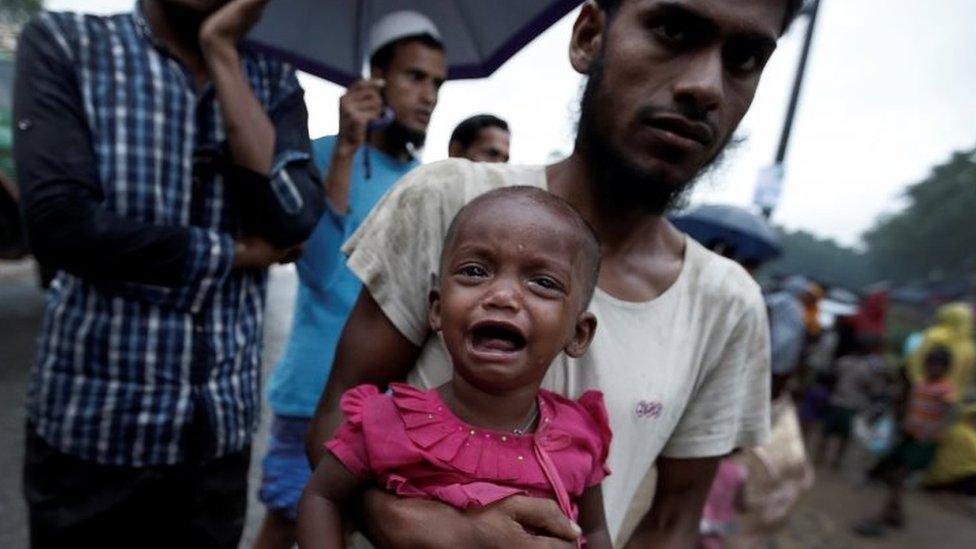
x=559, y=209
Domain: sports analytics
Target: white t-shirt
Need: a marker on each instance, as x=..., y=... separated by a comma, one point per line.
x=685, y=375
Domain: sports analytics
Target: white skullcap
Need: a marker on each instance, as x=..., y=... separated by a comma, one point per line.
x=400, y=24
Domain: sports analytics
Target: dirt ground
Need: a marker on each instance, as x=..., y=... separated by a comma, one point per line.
x=824, y=517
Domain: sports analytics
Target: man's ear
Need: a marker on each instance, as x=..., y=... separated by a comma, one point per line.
x=582, y=335
x=455, y=150
x=434, y=310
x=375, y=72
x=587, y=39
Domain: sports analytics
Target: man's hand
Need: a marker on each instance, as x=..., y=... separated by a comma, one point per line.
x=517, y=521
x=521, y=521
x=360, y=104
x=228, y=25
x=254, y=252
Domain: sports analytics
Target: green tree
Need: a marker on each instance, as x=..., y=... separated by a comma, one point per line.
x=821, y=259
x=18, y=11
x=934, y=236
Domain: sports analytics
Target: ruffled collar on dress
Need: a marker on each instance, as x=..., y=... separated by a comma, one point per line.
x=483, y=453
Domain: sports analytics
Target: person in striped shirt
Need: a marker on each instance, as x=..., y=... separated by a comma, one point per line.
x=930, y=410
x=163, y=168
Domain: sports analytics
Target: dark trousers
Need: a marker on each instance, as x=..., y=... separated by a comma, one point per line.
x=78, y=503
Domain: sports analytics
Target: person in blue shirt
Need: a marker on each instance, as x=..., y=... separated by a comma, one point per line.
x=365, y=159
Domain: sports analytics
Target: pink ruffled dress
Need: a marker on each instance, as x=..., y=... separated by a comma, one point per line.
x=408, y=441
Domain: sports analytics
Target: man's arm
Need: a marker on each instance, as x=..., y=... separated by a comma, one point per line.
x=250, y=133
x=593, y=519
x=68, y=226
x=272, y=179
x=360, y=104
x=674, y=518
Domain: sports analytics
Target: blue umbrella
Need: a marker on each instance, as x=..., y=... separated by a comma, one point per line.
x=328, y=38
x=746, y=235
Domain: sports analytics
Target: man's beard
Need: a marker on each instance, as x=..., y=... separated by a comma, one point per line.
x=401, y=138
x=618, y=181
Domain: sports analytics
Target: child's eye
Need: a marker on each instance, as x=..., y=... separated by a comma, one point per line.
x=547, y=283
x=475, y=271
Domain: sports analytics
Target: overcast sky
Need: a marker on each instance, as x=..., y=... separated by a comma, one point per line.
x=890, y=90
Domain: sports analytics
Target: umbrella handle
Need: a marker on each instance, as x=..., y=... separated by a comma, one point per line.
x=367, y=168
x=385, y=119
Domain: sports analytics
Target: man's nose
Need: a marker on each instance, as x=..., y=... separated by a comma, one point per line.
x=429, y=94
x=700, y=89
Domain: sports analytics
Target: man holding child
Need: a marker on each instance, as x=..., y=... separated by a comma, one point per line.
x=682, y=353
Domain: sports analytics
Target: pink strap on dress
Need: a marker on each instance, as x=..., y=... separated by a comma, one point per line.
x=552, y=475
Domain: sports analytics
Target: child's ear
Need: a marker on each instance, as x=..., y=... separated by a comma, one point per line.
x=582, y=336
x=434, y=309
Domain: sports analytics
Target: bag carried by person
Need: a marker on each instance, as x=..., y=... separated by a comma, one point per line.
x=779, y=473
x=876, y=429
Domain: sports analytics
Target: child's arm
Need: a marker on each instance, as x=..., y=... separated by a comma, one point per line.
x=592, y=519
x=320, y=509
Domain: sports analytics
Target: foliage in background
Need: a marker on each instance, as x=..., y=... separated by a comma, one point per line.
x=13, y=13
x=6, y=144
x=934, y=237
x=18, y=11
x=930, y=242
x=821, y=259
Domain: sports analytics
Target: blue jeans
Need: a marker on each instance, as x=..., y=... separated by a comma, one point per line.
x=285, y=469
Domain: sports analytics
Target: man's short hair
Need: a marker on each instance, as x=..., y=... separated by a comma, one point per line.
x=384, y=56
x=467, y=131
x=793, y=8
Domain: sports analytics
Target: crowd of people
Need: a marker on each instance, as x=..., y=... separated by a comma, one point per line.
x=910, y=410
x=481, y=354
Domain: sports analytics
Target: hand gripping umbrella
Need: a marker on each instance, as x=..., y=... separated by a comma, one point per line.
x=330, y=38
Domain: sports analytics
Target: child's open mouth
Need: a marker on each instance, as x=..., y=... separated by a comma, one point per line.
x=497, y=338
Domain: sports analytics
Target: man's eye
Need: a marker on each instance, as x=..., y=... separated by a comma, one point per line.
x=672, y=32
x=744, y=59
x=472, y=271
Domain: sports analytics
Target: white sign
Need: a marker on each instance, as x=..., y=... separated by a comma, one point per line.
x=769, y=187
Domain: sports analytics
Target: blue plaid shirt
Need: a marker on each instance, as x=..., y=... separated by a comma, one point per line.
x=149, y=351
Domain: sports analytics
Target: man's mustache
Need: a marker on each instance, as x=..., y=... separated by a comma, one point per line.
x=691, y=124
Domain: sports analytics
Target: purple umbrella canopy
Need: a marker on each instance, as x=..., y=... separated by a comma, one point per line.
x=328, y=38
